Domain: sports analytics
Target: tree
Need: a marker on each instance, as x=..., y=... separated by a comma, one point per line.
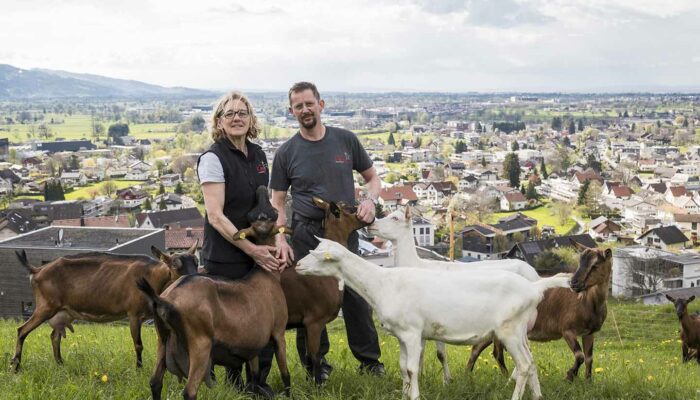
x=147, y=204
x=562, y=211
x=74, y=163
x=515, y=146
x=198, y=123
x=478, y=128
x=531, y=192
x=483, y=161
x=563, y=157
x=161, y=189
x=522, y=189
x=571, y=127
x=98, y=130
x=391, y=141
x=417, y=142
x=593, y=163
x=511, y=169
x=593, y=200
x=161, y=204
x=53, y=190
x=580, y=125
x=117, y=130
x=500, y=244
x=460, y=147
x=44, y=131
x=556, y=123
x=548, y=261
x=581, y=200
x=108, y=188
x=178, y=188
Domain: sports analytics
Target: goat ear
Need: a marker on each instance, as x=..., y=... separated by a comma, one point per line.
x=335, y=210
x=578, y=246
x=159, y=254
x=608, y=253
x=193, y=249
x=691, y=298
x=671, y=299
x=320, y=203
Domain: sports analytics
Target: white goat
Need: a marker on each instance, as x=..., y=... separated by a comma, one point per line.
x=464, y=307
x=398, y=228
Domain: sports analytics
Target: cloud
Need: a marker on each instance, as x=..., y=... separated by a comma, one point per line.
x=242, y=10
x=495, y=13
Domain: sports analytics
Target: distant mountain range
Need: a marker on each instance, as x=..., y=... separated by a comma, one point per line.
x=17, y=83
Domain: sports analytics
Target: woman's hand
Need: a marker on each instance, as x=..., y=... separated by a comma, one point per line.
x=264, y=256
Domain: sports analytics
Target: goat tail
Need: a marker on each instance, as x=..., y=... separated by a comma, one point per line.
x=22, y=257
x=559, y=280
x=166, y=317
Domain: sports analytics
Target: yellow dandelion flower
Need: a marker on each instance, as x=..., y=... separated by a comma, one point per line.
x=104, y=378
x=650, y=378
x=599, y=370
x=641, y=361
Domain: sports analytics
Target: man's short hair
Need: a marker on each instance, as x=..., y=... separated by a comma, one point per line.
x=300, y=87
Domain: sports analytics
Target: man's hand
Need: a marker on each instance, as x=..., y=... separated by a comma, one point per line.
x=284, y=253
x=366, y=211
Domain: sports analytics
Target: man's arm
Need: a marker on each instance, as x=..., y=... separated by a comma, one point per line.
x=373, y=185
x=284, y=251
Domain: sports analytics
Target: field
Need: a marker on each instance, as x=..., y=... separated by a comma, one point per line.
x=544, y=216
x=639, y=360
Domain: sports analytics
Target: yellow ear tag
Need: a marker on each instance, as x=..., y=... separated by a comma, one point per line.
x=242, y=235
x=327, y=256
x=321, y=201
x=281, y=230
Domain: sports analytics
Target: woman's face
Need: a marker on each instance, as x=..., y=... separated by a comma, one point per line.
x=235, y=119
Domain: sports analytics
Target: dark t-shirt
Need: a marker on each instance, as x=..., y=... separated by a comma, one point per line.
x=322, y=168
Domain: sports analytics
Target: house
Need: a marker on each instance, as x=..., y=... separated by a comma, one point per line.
x=13, y=224
x=169, y=180
x=479, y=240
x=423, y=232
x=52, y=242
x=659, y=298
x=131, y=198
x=181, y=239
x=587, y=175
x=603, y=228
x=107, y=221
x=75, y=178
x=513, y=201
x=468, y=182
x=659, y=187
x=438, y=191
x=689, y=224
x=664, y=238
x=172, y=201
x=640, y=270
x=675, y=193
x=4, y=148
x=528, y=251
x=138, y=171
x=392, y=197
x=183, y=218
x=63, y=145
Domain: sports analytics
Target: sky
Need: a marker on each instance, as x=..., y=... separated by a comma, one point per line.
x=364, y=46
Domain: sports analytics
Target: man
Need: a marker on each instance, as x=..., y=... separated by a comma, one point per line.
x=318, y=161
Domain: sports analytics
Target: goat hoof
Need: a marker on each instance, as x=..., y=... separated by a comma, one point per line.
x=14, y=364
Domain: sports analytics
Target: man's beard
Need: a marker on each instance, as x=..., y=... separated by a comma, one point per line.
x=308, y=125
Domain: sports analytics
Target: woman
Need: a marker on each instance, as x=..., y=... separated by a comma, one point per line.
x=229, y=173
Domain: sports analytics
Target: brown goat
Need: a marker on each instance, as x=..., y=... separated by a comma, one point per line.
x=314, y=301
x=97, y=287
x=690, y=328
x=568, y=314
x=203, y=321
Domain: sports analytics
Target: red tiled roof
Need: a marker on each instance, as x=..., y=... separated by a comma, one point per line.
x=622, y=191
x=398, y=192
x=678, y=191
x=515, y=197
x=587, y=175
x=178, y=239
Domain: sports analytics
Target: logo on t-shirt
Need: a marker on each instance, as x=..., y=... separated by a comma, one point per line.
x=343, y=158
x=261, y=168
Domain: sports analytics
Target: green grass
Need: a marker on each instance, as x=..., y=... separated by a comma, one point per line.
x=83, y=192
x=544, y=216
x=645, y=365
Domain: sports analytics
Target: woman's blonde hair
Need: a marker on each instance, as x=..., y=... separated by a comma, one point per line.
x=218, y=133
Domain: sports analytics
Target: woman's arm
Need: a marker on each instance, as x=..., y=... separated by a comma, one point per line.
x=214, y=194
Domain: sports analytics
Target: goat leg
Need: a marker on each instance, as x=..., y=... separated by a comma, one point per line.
x=442, y=357
x=587, y=341
x=685, y=351
x=135, y=327
x=498, y=355
x=156, y=382
x=313, y=349
x=40, y=315
x=200, y=366
x=477, y=349
x=571, y=340
x=281, y=356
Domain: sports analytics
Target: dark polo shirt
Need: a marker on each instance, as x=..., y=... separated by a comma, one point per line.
x=242, y=176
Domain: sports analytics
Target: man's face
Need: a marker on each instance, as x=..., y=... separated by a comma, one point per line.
x=306, y=108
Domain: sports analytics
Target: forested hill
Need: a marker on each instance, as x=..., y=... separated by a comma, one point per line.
x=17, y=83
